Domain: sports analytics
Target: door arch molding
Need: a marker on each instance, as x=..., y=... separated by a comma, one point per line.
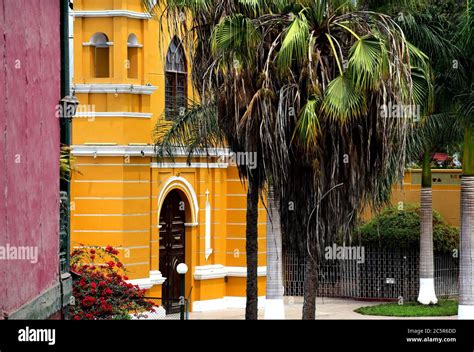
x=189, y=197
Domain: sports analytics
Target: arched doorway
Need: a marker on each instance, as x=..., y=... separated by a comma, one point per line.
x=172, y=248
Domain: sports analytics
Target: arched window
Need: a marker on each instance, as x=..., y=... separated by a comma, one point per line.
x=100, y=55
x=132, y=56
x=176, y=80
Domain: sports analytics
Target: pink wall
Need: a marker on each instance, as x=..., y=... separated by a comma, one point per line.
x=29, y=134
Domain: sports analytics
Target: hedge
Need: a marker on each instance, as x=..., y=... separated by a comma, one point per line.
x=400, y=229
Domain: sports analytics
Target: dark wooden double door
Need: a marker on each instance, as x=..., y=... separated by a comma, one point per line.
x=172, y=249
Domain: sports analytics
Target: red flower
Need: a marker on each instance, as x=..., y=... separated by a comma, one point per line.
x=77, y=317
x=109, y=249
x=115, y=252
x=92, y=251
x=88, y=301
x=102, y=284
x=93, y=285
x=89, y=316
x=111, y=264
x=92, y=257
x=119, y=265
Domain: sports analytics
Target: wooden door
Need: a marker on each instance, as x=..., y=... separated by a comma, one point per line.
x=172, y=246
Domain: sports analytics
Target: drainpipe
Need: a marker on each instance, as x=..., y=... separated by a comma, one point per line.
x=65, y=139
x=65, y=83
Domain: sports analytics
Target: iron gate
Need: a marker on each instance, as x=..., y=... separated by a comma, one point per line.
x=384, y=274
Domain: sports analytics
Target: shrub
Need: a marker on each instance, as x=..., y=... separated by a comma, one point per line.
x=400, y=229
x=101, y=292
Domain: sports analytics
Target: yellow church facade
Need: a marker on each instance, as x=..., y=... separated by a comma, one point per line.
x=127, y=73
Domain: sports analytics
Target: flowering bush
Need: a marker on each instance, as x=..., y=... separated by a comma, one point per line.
x=102, y=292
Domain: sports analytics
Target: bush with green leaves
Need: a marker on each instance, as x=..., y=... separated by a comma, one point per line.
x=400, y=229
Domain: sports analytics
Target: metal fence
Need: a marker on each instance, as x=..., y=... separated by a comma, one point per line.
x=384, y=274
x=161, y=313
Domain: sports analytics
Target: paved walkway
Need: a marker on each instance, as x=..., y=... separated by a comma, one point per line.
x=326, y=308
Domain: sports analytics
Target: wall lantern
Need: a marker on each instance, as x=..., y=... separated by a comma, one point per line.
x=69, y=106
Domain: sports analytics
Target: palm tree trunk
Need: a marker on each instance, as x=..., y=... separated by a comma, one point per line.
x=466, y=259
x=274, y=305
x=309, y=305
x=426, y=293
x=251, y=308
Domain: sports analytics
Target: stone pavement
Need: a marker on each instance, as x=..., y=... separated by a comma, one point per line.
x=326, y=308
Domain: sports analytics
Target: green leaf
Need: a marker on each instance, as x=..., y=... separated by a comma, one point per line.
x=295, y=42
x=308, y=127
x=365, y=60
x=341, y=101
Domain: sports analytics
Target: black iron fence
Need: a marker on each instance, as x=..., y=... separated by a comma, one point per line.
x=161, y=312
x=383, y=274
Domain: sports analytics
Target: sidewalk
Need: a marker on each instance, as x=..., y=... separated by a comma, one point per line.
x=326, y=308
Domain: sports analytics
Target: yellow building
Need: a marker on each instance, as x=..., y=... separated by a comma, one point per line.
x=126, y=72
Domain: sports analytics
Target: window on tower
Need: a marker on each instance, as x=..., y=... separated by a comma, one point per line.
x=132, y=56
x=176, y=80
x=100, y=46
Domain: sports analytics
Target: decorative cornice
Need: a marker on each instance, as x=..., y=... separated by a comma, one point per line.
x=138, y=150
x=112, y=13
x=105, y=88
x=189, y=165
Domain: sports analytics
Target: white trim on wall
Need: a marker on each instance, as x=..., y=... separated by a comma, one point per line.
x=109, y=88
x=112, y=13
x=140, y=115
x=178, y=182
x=155, y=279
x=189, y=166
x=218, y=271
x=136, y=150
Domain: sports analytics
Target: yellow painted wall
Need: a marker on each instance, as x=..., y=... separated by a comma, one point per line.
x=115, y=198
x=446, y=192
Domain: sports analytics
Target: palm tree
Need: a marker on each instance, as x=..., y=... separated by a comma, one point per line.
x=301, y=84
x=434, y=133
x=466, y=111
x=274, y=305
x=431, y=31
x=197, y=130
x=466, y=259
x=339, y=58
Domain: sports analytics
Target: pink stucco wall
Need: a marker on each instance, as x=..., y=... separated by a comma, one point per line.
x=29, y=145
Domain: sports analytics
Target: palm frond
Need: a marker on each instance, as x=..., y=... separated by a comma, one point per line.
x=343, y=101
x=295, y=42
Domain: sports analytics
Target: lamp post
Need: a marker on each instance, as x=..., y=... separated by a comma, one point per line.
x=182, y=269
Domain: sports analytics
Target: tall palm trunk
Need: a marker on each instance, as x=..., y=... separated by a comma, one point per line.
x=466, y=260
x=309, y=305
x=251, y=308
x=426, y=294
x=274, y=305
